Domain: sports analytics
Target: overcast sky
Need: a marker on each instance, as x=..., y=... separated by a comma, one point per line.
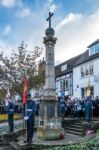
x=76, y=24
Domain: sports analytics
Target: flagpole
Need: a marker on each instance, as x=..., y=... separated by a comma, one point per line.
x=25, y=92
x=26, y=122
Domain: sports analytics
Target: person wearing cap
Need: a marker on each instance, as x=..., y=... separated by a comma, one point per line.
x=10, y=112
x=29, y=117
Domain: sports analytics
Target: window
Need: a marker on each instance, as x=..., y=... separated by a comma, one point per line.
x=63, y=67
x=83, y=93
x=66, y=83
x=92, y=50
x=61, y=85
x=82, y=71
x=91, y=69
x=87, y=70
x=97, y=48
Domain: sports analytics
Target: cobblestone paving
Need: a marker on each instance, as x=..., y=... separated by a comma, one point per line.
x=18, y=124
x=6, y=148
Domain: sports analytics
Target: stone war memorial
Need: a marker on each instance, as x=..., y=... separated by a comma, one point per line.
x=49, y=123
x=48, y=128
x=78, y=134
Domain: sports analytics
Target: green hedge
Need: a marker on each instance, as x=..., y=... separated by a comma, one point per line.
x=88, y=145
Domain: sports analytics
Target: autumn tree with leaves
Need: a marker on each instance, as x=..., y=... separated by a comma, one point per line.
x=13, y=69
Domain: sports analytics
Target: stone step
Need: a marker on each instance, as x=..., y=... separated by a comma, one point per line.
x=1, y=141
x=74, y=129
x=13, y=145
x=97, y=118
x=78, y=122
x=73, y=132
x=76, y=126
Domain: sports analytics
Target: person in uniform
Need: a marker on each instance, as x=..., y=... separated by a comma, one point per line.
x=97, y=106
x=62, y=107
x=88, y=108
x=10, y=112
x=29, y=116
x=62, y=104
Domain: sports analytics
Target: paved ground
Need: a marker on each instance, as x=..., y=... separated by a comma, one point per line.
x=18, y=124
x=69, y=138
x=15, y=122
x=6, y=148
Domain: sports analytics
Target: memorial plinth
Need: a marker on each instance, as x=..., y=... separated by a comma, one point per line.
x=49, y=122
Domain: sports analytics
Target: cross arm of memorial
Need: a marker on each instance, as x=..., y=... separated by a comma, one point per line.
x=49, y=18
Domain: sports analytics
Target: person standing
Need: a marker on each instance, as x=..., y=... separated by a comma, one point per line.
x=88, y=108
x=97, y=106
x=62, y=104
x=10, y=112
x=62, y=107
x=29, y=116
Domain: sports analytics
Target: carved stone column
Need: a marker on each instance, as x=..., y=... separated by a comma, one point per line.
x=50, y=128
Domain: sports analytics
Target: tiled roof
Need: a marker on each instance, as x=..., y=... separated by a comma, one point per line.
x=70, y=63
x=73, y=62
x=85, y=58
x=95, y=42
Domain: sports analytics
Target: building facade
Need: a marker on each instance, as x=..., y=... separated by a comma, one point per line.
x=73, y=75
x=64, y=77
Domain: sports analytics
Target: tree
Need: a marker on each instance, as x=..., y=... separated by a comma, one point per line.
x=13, y=69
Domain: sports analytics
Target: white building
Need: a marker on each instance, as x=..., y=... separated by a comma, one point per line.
x=87, y=68
x=73, y=75
x=64, y=77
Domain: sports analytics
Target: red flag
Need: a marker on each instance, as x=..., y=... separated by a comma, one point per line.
x=8, y=94
x=25, y=90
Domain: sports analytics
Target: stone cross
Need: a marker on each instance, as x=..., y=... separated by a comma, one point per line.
x=49, y=18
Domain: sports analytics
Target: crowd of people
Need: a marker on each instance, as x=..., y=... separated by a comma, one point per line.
x=80, y=108
x=76, y=108
x=17, y=107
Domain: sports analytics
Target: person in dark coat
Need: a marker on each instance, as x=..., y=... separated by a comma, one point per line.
x=97, y=106
x=29, y=116
x=62, y=104
x=62, y=107
x=88, y=108
x=10, y=112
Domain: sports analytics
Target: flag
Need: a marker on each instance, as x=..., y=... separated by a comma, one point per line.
x=8, y=94
x=88, y=88
x=25, y=90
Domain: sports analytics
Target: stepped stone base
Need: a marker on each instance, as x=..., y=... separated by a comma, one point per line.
x=39, y=144
x=47, y=133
